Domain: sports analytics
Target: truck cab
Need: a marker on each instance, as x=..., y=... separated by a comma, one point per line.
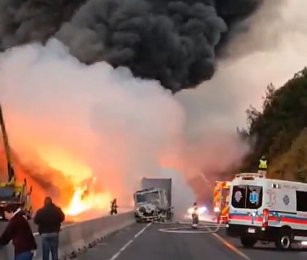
x=150, y=204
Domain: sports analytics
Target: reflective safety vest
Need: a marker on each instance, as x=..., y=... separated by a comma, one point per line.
x=263, y=164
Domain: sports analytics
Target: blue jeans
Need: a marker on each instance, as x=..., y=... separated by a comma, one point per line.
x=24, y=256
x=50, y=243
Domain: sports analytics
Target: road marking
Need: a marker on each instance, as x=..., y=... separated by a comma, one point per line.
x=230, y=246
x=184, y=231
x=186, y=228
x=129, y=242
x=125, y=246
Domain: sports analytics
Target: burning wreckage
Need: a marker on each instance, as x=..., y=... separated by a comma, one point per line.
x=154, y=202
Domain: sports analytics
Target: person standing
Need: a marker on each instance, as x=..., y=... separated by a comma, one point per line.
x=19, y=231
x=195, y=215
x=263, y=166
x=114, y=207
x=49, y=219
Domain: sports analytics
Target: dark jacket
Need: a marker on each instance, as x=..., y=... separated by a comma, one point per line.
x=19, y=230
x=49, y=219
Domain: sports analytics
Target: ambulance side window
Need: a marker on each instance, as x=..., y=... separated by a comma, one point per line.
x=254, y=197
x=246, y=196
x=301, y=199
x=239, y=196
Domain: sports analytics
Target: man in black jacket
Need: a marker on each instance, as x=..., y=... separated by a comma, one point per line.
x=49, y=219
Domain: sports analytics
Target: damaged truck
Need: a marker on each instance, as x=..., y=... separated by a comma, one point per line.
x=154, y=201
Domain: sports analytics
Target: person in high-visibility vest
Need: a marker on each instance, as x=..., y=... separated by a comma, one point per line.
x=195, y=216
x=263, y=166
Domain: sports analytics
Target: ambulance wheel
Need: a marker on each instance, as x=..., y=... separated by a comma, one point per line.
x=284, y=239
x=248, y=241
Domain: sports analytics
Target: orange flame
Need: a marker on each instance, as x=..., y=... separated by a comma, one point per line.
x=84, y=200
x=86, y=197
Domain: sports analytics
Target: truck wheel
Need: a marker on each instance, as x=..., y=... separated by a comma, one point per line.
x=248, y=241
x=284, y=240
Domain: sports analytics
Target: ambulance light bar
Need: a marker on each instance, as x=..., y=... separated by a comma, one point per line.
x=249, y=176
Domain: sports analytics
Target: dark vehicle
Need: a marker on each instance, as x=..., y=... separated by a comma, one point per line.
x=10, y=191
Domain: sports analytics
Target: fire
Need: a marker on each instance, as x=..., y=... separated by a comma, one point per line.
x=63, y=161
x=84, y=200
x=86, y=196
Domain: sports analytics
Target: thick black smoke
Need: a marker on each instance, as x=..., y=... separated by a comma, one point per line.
x=172, y=41
x=23, y=21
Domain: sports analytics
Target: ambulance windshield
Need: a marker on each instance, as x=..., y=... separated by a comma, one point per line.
x=246, y=196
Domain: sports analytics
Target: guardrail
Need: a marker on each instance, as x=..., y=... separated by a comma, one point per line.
x=75, y=238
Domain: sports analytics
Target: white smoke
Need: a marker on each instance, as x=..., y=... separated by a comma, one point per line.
x=117, y=125
x=85, y=120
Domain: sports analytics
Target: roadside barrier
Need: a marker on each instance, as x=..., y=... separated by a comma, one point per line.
x=77, y=237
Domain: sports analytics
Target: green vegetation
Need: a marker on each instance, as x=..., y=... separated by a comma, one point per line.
x=280, y=131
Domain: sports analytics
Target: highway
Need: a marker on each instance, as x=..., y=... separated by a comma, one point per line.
x=178, y=241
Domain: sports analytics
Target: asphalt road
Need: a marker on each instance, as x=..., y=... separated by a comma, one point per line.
x=266, y=251
x=180, y=242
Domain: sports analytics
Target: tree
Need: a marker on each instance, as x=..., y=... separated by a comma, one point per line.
x=275, y=130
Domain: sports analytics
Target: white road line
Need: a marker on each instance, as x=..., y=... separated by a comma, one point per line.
x=125, y=246
x=115, y=256
x=129, y=242
x=141, y=231
x=230, y=246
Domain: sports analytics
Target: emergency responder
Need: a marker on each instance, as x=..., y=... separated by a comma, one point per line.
x=114, y=207
x=195, y=217
x=195, y=207
x=263, y=166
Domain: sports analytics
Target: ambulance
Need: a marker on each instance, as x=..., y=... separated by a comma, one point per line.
x=267, y=210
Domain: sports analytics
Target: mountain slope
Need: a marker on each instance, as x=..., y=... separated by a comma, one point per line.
x=279, y=131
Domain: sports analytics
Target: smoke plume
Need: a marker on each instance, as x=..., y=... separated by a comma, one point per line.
x=172, y=41
x=110, y=124
x=98, y=121
x=85, y=120
x=272, y=50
